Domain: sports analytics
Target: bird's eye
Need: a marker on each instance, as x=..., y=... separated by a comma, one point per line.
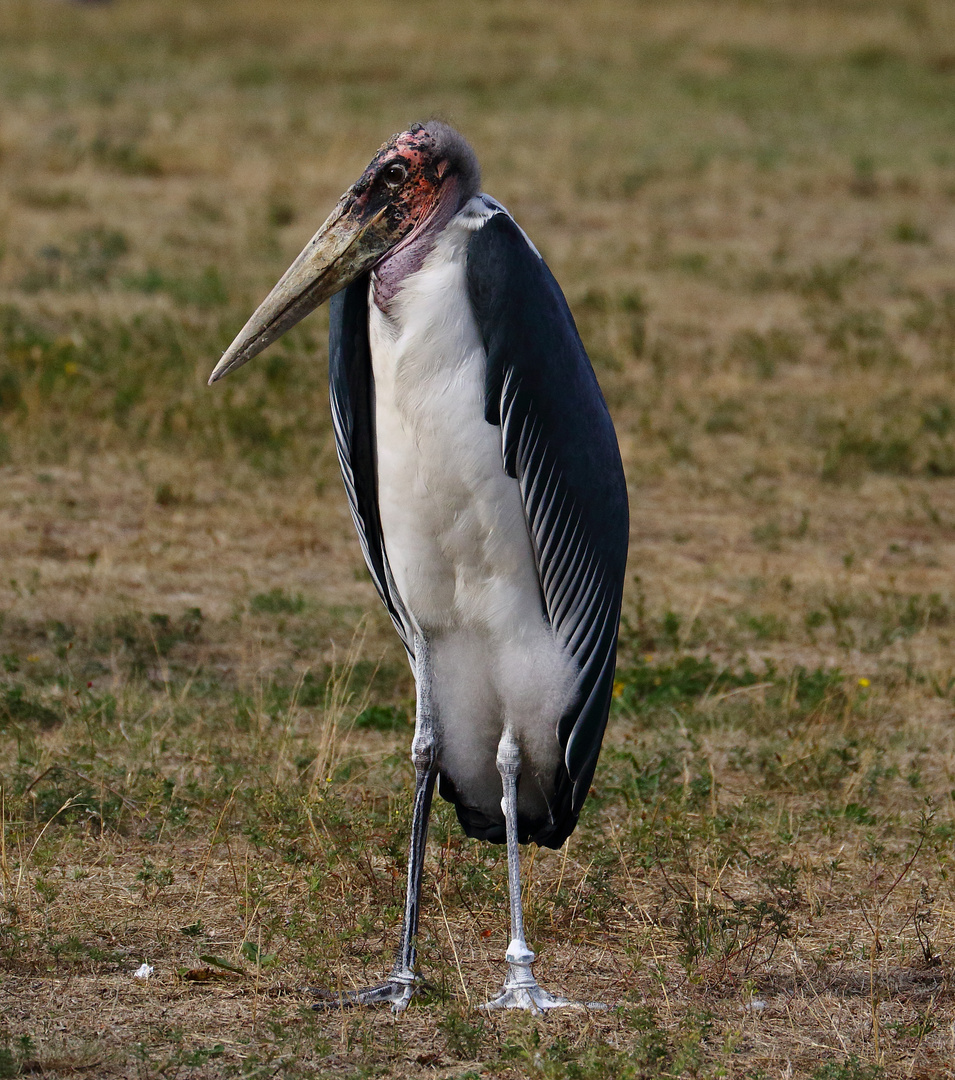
x=394, y=174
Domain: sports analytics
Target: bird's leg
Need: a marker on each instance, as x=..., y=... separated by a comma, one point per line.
x=398, y=989
x=424, y=756
x=521, y=990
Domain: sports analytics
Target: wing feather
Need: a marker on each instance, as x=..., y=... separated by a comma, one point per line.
x=351, y=391
x=558, y=441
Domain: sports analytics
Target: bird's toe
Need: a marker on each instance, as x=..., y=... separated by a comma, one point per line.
x=394, y=992
x=536, y=1000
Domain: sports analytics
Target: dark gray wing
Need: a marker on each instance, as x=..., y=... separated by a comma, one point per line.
x=351, y=392
x=559, y=443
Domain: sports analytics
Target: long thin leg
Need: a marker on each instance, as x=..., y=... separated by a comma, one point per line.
x=424, y=756
x=521, y=990
x=398, y=989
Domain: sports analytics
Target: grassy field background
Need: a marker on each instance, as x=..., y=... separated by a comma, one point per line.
x=204, y=716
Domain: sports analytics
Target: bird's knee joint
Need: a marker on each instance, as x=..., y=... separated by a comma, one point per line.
x=508, y=755
x=423, y=753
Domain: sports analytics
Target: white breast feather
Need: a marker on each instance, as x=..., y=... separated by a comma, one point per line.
x=454, y=528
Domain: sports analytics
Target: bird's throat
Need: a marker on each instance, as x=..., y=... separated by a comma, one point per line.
x=409, y=256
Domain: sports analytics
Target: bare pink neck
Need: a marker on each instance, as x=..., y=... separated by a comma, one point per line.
x=410, y=254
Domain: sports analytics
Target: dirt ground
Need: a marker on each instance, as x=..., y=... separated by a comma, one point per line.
x=205, y=718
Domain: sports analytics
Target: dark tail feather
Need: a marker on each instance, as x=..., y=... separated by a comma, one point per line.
x=546, y=831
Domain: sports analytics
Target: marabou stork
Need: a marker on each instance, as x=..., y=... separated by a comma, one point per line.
x=485, y=481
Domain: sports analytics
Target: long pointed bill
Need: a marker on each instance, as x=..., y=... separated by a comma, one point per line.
x=344, y=247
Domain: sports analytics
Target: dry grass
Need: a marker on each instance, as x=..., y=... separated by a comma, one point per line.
x=752, y=209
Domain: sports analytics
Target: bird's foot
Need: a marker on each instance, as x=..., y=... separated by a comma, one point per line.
x=397, y=991
x=531, y=999
x=521, y=991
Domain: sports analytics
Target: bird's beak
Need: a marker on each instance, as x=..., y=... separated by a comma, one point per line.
x=347, y=244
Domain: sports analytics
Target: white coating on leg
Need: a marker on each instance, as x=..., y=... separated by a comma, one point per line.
x=521, y=990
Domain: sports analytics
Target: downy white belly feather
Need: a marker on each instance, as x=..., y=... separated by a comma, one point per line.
x=455, y=534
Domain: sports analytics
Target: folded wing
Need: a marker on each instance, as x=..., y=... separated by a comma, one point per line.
x=559, y=443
